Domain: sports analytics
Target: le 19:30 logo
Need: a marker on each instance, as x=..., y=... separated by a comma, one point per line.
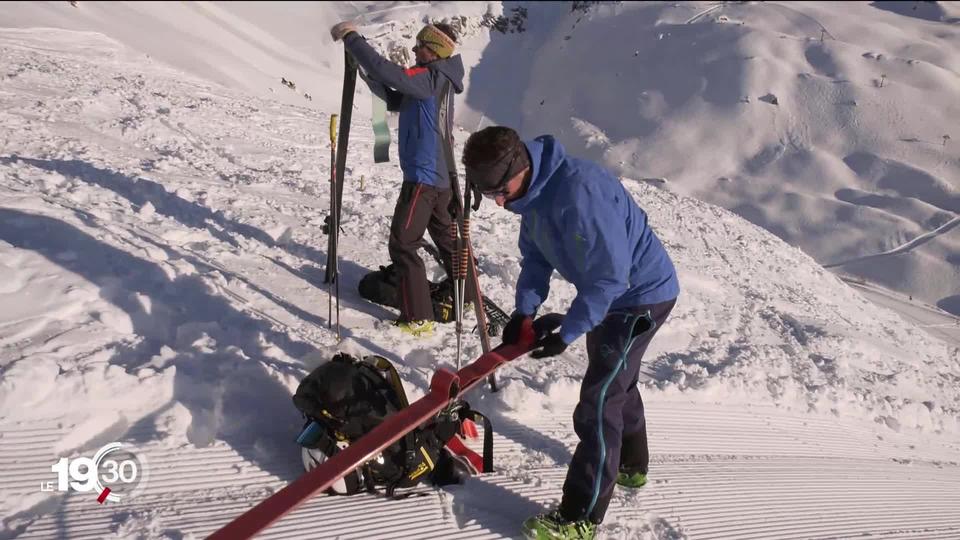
x=116, y=472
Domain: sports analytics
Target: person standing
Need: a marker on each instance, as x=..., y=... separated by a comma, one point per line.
x=578, y=219
x=425, y=195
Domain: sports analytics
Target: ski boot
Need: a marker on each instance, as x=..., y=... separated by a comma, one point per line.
x=631, y=480
x=553, y=526
x=416, y=328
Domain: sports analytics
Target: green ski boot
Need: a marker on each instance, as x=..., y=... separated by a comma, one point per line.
x=631, y=480
x=416, y=328
x=553, y=526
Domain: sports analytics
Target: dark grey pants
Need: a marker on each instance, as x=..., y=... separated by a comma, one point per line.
x=609, y=418
x=420, y=208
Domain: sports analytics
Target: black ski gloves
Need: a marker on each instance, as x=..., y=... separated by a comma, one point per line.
x=546, y=324
x=551, y=345
x=547, y=342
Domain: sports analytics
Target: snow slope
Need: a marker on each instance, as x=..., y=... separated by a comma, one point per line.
x=162, y=286
x=247, y=46
x=821, y=122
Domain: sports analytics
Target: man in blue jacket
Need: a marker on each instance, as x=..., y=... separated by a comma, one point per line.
x=425, y=195
x=577, y=219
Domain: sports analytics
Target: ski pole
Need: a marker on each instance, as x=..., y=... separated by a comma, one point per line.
x=455, y=271
x=467, y=268
x=334, y=226
x=470, y=274
x=463, y=252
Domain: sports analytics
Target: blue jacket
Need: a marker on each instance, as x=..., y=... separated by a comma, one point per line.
x=415, y=93
x=578, y=219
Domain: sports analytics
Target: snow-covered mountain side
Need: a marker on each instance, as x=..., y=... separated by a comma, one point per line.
x=827, y=124
x=162, y=263
x=832, y=125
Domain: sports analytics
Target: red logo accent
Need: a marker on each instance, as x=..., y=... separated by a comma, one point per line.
x=103, y=496
x=414, y=71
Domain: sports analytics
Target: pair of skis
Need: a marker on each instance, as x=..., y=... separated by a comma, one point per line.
x=465, y=269
x=338, y=156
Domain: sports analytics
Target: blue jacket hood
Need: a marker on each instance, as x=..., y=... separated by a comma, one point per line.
x=547, y=155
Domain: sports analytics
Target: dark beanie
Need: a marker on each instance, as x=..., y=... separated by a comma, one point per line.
x=494, y=155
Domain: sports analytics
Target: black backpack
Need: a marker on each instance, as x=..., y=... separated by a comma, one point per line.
x=381, y=287
x=345, y=398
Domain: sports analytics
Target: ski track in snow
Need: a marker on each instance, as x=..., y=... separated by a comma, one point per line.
x=164, y=234
x=717, y=472
x=935, y=321
x=913, y=243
